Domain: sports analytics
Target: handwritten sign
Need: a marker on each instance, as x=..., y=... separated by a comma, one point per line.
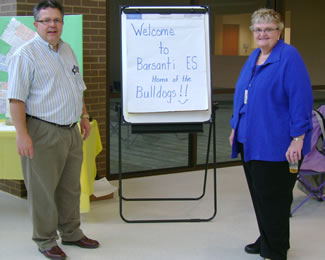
x=166, y=63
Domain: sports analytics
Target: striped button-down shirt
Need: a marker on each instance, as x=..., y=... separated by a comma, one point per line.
x=47, y=81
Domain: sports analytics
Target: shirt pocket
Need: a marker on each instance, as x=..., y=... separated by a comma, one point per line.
x=79, y=82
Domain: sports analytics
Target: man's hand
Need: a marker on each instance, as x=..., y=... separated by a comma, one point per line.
x=24, y=142
x=85, y=128
x=24, y=145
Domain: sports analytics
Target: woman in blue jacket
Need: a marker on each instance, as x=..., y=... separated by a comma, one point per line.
x=271, y=126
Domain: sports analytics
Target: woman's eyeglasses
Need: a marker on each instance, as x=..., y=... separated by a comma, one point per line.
x=266, y=30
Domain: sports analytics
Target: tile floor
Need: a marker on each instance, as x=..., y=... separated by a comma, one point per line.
x=223, y=238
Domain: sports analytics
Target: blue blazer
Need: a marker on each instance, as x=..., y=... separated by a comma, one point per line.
x=279, y=105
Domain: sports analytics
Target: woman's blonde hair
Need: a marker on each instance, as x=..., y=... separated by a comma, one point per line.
x=265, y=15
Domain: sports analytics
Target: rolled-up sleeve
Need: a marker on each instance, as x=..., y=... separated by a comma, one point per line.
x=298, y=86
x=20, y=76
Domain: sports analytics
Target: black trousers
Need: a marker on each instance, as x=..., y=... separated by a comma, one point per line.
x=271, y=185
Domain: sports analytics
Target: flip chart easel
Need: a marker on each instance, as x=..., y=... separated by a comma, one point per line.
x=166, y=80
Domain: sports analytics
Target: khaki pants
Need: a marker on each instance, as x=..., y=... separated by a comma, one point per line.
x=52, y=180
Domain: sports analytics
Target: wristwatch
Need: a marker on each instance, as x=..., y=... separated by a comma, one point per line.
x=297, y=139
x=84, y=116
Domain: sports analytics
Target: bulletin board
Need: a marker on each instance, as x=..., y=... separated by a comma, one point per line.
x=15, y=31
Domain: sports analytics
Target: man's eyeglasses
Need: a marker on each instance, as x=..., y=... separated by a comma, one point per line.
x=266, y=30
x=49, y=21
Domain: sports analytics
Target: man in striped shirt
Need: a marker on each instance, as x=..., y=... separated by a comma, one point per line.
x=46, y=102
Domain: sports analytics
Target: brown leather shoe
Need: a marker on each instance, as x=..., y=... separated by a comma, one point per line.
x=55, y=253
x=84, y=242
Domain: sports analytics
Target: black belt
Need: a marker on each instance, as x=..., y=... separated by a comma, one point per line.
x=64, y=126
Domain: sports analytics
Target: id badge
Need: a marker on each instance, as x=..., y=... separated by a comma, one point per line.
x=246, y=96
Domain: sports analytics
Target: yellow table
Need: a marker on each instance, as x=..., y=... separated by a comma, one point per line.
x=10, y=167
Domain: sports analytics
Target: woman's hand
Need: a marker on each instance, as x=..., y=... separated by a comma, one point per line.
x=293, y=153
x=231, y=137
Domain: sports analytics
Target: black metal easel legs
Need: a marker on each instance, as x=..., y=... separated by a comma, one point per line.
x=211, y=132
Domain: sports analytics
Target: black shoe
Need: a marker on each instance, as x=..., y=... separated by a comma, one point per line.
x=252, y=248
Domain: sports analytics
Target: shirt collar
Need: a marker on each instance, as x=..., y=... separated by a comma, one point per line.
x=50, y=46
x=275, y=54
